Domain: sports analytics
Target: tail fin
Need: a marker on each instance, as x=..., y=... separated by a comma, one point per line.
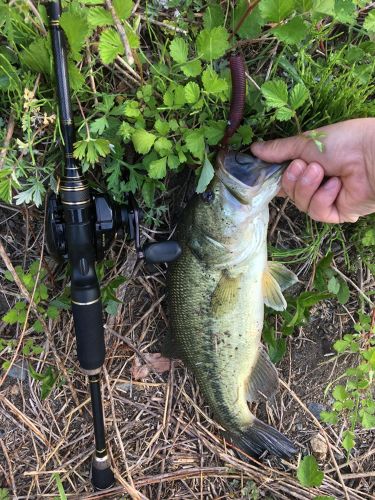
x=259, y=437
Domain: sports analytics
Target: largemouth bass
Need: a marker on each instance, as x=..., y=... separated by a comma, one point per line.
x=216, y=295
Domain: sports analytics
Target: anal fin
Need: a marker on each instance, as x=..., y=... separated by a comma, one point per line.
x=263, y=380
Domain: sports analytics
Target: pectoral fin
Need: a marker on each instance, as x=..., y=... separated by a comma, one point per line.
x=263, y=379
x=282, y=275
x=272, y=294
x=225, y=294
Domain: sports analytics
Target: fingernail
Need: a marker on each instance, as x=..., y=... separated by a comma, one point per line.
x=310, y=174
x=331, y=184
x=294, y=171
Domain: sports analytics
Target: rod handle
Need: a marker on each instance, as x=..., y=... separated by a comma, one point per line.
x=88, y=324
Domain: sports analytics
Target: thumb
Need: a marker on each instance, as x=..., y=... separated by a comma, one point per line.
x=280, y=150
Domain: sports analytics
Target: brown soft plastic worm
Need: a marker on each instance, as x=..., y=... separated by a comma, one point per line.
x=237, y=105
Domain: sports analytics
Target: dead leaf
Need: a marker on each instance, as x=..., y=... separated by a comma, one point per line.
x=155, y=363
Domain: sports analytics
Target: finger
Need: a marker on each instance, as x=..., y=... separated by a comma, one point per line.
x=322, y=204
x=280, y=150
x=307, y=184
x=291, y=175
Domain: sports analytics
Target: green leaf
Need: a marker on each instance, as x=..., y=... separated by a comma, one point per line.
x=76, y=28
x=36, y=57
x=192, y=68
x=123, y=8
x=11, y=317
x=178, y=50
x=110, y=45
x=252, y=26
x=277, y=350
x=192, y=92
x=329, y=417
x=195, y=142
x=38, y=327
x=213, y=16
x=341, y=345
x=212, y=83
x=91, y=149
x=326, y=7
x=4, y=494
x=369, y=24
x=345, y=11
x=132, y=37
x=126, y=131
x=308, y=472
x=298, y=96
x=276, y=10
x=173, y=161
x=348, y=441
x=291, y=33
x=246, y=134
x=340, y=393
x=158, y=168
x=368, y=238
x=284, y=114
x=52, y=312
x=206, y=176
x=143, y=141
x=148, y=191
x=343, y=293
x=163, y=146
x=98, y=16
x=368, y=420
x=214, y=131
x=212, y=44
x=99, y=125
x=76, y=78
x=275, y=93
x=333, y=285
x=162, y=127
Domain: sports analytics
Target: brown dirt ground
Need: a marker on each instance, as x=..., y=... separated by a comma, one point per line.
x=161, y=437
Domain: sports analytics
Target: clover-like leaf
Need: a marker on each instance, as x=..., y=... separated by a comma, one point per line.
x=212, y=44
x=275, y=93
x=192, y=92
x=178, y=50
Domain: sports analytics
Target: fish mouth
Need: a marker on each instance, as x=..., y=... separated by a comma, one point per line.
x=249, y=170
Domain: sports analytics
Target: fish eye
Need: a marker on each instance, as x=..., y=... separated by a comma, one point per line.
x=208, y=196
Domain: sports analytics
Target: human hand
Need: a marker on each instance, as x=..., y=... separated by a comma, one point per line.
x=347, y=161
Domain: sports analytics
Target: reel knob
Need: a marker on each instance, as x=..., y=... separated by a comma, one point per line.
x=159, y=253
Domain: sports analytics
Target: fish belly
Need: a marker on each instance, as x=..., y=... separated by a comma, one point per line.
x=220, y=348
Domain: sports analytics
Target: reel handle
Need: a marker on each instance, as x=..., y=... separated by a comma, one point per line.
x=159, y=253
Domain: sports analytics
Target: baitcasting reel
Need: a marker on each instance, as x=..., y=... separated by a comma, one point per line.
x=108, y=219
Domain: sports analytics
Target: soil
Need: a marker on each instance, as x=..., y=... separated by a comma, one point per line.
x=162, y=440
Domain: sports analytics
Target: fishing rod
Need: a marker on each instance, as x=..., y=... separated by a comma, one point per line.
x=80, y=225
